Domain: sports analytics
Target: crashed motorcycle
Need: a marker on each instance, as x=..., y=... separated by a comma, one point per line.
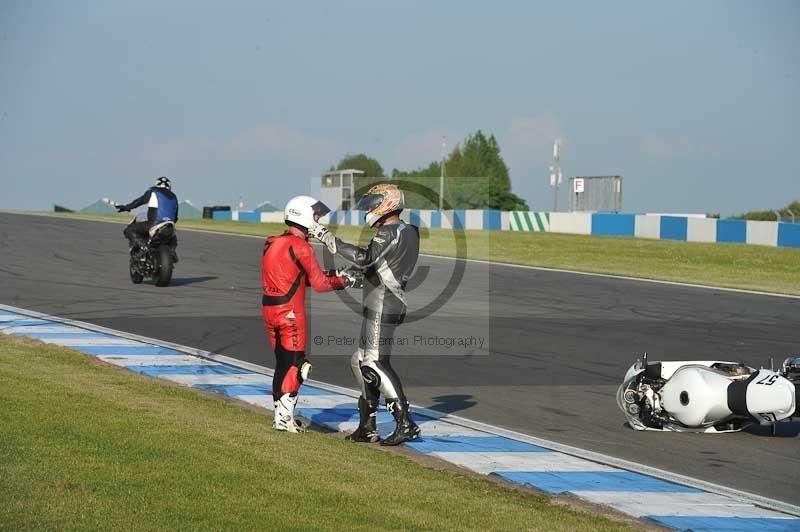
x=155, y=258
x=707, y=396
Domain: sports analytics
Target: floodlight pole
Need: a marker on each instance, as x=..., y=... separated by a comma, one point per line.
x=555, y=173
x=441, y=176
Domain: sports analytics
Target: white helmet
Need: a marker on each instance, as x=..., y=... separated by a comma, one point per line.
x=301, y=210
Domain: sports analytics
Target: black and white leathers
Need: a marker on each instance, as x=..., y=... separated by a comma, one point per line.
x=388, y=263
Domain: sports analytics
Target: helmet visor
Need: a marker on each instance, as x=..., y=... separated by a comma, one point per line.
x=320, y=209
x=369, y=202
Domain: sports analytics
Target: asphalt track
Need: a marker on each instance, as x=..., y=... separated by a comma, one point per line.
x=555, y=344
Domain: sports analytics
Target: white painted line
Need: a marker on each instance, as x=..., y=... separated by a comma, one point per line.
x=156, y=360
x=325, y=401
x=640, y=504
x=222, y=380
x=442, y=428
x=486, y=463
x=263, y=375
x=39, y=329
x=428, y=428
x=12, y=317
x=264, y=401
x=504, y=264
x=70, y=341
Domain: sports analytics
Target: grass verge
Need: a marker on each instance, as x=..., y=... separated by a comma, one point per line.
x=86, y=446
x=741, y=266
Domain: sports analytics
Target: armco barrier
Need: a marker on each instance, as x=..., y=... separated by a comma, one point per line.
x=656, y=226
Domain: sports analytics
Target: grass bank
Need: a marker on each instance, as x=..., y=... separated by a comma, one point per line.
x=86, y=446
x=727, y=265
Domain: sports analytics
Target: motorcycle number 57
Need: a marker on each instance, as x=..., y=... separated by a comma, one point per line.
x=768, y=380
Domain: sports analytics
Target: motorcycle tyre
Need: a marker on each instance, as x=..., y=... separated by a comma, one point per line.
x=164, y=265
x=136, y=277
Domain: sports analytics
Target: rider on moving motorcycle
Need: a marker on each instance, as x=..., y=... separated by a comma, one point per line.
x=162, y=206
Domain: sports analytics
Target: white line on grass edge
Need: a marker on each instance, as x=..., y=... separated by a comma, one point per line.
x=592, y=456
x=491, y=263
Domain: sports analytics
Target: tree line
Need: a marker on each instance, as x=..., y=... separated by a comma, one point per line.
x=476, y=177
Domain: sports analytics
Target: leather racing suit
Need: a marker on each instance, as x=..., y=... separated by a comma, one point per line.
x=287, y=266
x=388, y=262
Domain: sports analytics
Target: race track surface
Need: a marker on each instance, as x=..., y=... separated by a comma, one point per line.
x=555, y=345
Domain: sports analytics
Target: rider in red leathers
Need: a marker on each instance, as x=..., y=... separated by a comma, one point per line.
x=287, y=266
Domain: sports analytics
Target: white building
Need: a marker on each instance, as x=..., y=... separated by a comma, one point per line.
x=337, y=189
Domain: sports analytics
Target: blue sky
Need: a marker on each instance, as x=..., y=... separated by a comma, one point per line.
x=694, y=103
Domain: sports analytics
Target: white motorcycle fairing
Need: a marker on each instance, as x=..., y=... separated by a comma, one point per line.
x=704, y=396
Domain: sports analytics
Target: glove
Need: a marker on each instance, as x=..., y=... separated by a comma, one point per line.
x=353, y=278
x=321, y=233
x=121, y=208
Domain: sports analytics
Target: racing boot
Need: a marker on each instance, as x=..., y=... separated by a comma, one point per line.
x=405, y=429
x=284, y=420
x=367, y=431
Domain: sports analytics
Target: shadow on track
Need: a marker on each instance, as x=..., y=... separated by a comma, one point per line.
x=188, y=280
x=453, y=403
x=784, y=429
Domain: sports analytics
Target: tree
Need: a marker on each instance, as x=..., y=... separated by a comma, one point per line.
x=368, y=165
x=479, y=156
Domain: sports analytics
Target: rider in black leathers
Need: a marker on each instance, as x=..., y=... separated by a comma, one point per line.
x=388, y=263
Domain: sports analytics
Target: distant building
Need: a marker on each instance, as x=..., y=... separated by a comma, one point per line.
x=101, y=206
x=337, y=189
x=266, y=206
x=186, y=211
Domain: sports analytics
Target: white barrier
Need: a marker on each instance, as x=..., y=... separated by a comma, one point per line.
x=648, y=226
x=701, y=230
x=763, y=233
x=576, y=223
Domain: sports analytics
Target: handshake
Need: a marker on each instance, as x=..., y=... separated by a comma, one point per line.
x=353, y=277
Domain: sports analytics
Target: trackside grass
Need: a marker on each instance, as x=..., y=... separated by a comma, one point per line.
x=86, y=446
x=726, y=265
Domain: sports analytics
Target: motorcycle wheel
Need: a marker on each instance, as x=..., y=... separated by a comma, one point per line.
x=136, y=277
x=164, y=265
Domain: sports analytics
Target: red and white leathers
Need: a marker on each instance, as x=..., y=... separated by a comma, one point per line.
x=288, y=265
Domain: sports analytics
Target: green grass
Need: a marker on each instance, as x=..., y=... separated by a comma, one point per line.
x=727, y=265
x=86, y=446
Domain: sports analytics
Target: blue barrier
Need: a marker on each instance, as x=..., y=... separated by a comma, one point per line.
x=347, y=217
x=334, y=218
x=413, y=217
x=789, y=235
x=610, y=224
x=673, y=228
x=459, y=219
x=436, y=219
x=491, y=220
x=221, y=215
x=732, y=231
x=249, y=216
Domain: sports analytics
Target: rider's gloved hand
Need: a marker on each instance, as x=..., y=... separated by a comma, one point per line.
x=321, y=233
x=353, y=278
x=121, y=208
